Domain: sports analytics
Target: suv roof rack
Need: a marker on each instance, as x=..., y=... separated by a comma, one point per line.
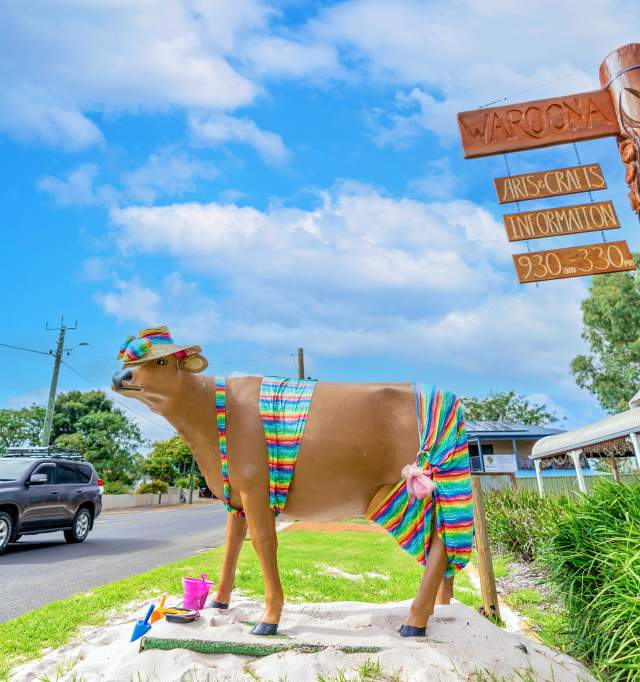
x=48, y=451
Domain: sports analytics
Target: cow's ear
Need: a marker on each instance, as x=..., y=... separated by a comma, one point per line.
x=194, y=363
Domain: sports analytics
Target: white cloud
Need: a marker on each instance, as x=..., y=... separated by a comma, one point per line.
x=179, y=304
x=78, y=188
x=461, y=54
x=362, y=272
x=438, y=181
x=277, y=56
x=68, y=59
x=166, y=172
x=216, y=129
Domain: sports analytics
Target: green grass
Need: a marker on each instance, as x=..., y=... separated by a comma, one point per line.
x=548, y=625
x=303, y=561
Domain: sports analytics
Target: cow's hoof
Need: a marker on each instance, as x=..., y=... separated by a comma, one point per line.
x=412, y=631
x=218, y=605
x=264, y=629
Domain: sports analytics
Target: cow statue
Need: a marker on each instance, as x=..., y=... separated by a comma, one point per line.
x=357, y=456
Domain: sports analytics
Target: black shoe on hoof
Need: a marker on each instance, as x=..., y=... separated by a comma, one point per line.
x=412, y=631
x=218, y=605
x=264, y=629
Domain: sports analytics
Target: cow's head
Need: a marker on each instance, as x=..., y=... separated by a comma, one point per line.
x=154, y=369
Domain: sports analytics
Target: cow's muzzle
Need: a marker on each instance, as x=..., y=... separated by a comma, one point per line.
x=119, y=379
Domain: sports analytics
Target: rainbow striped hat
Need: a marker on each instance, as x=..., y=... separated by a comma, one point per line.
x=150, y=344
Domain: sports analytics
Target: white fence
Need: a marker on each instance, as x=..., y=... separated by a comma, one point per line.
x=146, y=499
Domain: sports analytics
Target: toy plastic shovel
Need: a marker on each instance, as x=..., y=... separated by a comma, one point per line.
x=158, y=614
x=142, y=626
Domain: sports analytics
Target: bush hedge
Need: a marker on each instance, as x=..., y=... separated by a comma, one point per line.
x=593, y=559
x=519, y=522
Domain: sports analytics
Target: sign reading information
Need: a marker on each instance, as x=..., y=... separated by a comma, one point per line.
x=551, y=183
x=575, y=261
x=550, y=222
x=538, y=123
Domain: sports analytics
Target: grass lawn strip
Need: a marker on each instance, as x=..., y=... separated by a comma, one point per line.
x=388, y=574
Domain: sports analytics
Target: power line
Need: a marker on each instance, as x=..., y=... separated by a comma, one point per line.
x=269, y=357
x=28, y=350
x=116, y=400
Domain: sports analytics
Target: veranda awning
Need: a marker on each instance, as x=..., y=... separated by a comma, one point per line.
x=610, y=428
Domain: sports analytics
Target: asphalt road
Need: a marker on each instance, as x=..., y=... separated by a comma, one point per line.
x=43, y=568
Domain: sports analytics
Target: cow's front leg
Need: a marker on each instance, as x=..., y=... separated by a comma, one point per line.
x=262, y=527
x=236, y=533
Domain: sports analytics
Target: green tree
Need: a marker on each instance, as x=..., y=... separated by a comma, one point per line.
x=88, y=422
x=611, y=328
x=170, y=460
x=21, y=427
x=507, y=407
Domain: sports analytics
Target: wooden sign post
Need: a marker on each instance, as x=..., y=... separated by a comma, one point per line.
x=490, y=603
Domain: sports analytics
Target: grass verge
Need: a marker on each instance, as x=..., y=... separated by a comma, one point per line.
x=314, y=566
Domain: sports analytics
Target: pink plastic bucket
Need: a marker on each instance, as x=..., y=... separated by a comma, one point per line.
x=196, y=591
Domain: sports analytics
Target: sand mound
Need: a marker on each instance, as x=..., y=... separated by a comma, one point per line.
x=459, y=645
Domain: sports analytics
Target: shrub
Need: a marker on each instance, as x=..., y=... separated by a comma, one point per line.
x=153, y=487
x=116, y=488
x=519, y=522
x=594, y=562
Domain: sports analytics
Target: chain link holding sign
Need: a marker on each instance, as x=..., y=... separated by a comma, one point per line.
x=574, y=261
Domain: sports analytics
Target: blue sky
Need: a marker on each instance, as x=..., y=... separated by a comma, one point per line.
x=263, y=176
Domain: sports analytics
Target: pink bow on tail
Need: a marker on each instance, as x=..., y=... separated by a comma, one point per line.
x=418, y=482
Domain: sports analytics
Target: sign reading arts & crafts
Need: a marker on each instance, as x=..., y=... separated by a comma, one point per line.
x=539, y=123
x=551, y=183
x=574, y=261
x=552, y=222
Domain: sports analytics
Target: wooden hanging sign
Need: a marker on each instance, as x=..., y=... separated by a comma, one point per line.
x=575, y=261
x=552, y=222
x=550, y=183
x=539, y=123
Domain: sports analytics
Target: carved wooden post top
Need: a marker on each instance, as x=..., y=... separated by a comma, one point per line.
x=620, y=74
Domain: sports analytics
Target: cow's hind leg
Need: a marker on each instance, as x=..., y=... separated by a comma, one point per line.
x=236, y=533
x=424, y=602
x=262, y=527
x=445, y=592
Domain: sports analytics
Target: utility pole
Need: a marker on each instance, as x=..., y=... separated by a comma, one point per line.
x=193, y=459
x=300, y=363
x=46, y=432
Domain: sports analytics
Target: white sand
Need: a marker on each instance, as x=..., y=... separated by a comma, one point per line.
x=459, y=643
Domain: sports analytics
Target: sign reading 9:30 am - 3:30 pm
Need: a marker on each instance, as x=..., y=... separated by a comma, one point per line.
x=574, y=261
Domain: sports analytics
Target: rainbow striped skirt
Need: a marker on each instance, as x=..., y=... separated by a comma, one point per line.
x=444, y=455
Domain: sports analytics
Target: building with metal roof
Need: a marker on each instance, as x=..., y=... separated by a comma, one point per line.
x=506, y=447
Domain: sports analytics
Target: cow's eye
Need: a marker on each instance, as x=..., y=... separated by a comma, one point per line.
x=161, y=361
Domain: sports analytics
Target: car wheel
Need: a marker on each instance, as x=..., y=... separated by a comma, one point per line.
x=6, y=530
x=81, y=526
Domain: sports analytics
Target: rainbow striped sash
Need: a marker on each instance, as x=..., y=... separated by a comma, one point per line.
x=444, y=453
x=284, y=408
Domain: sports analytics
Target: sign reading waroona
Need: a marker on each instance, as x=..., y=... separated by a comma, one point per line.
x=550, y=222
x=551, y=183
x=539, y=123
